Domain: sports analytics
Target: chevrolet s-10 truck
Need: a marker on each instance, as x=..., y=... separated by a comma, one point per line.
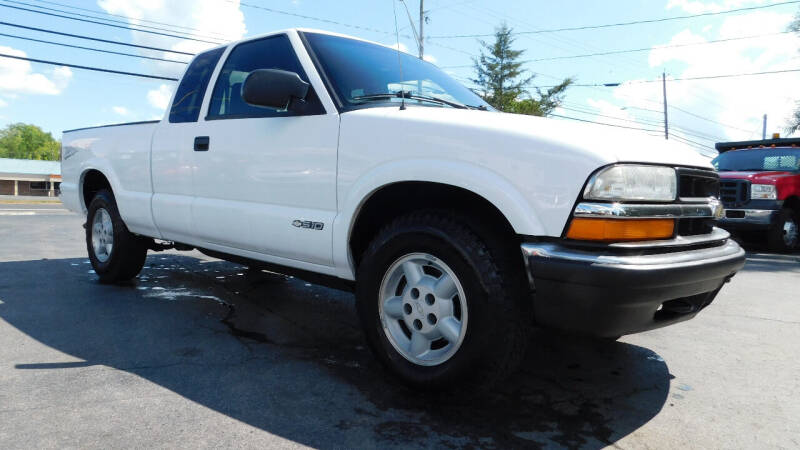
x=459, y=228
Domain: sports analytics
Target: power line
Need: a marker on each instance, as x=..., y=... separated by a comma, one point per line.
x=92, y=49
x=650, y=122
x=343, y=24
x=640, y=122
x=602, y=123
x=318, y=19
x=221, y=36
x=78, y=36
x=681, y=138
x=708, y=120
x=706, y=77
x=96, y=69
x=634, y=50
x=617, y=52
x=111, y=24
x=107, y=20
x=620, y=24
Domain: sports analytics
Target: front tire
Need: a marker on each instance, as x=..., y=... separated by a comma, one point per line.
x=784, y=237
x=116, y=254
x=439, y=305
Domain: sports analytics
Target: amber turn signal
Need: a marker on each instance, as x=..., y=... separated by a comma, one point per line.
x=620, y=230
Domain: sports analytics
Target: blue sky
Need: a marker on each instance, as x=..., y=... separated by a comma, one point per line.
x=57, y=98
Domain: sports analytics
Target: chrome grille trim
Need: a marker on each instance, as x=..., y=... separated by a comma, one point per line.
x=711, y=209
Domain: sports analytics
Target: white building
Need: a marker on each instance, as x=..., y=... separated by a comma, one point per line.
x=29, y=177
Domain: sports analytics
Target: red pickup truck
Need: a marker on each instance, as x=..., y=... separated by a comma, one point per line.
x=760, y=189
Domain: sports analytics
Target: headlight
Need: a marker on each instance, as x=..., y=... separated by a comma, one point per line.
x=629, y=182
x=763, y=192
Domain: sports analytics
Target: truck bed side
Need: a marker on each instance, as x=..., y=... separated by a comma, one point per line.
x=121, y=153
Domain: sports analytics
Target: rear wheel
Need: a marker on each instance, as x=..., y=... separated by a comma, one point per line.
x=438, y=304
x=785, y=235
x=116, y=254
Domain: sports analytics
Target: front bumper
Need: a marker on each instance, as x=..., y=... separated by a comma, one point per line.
x=616, y=290
x=748, y=219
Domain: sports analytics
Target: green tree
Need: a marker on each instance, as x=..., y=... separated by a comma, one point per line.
x=25, y=141
x=504, y=84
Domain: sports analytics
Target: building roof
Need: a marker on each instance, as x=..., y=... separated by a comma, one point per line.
x=30, y=167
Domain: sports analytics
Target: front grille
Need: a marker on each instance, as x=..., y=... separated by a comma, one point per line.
x=734, y=193
x=695, y=226
x=696, y=185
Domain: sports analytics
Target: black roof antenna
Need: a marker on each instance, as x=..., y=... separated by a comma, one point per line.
x=399, y=59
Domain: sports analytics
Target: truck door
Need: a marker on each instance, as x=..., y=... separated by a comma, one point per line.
x=265, y=179
x=172, y=152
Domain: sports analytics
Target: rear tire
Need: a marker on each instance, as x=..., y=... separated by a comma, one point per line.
x=116, y=254
x=475, y=331
x=784, y=236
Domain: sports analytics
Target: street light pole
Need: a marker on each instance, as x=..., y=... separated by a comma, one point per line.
x=421, y=25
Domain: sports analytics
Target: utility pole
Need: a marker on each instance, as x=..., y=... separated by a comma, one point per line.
x=421, y=24
x=666, y=116
x=764, y=132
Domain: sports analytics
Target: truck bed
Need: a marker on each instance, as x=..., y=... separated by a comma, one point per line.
x=119, y=151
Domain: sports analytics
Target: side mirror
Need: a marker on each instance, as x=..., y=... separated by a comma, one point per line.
x=274, y=88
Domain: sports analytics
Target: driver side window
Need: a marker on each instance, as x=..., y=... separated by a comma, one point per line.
x=274, y=52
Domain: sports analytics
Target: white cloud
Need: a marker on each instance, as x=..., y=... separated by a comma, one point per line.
x=399, y=46
x=738, y=102
x=159, y=98
x=404, y=48
x=205, y=18
x=18, y=76
x=2, y=103
x=120, y=110
x=700, y=7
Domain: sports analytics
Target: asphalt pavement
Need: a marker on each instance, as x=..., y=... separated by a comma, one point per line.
x=202, y=353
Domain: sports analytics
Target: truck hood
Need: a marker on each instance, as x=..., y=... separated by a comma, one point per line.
x=597, y=143
x=771, y=177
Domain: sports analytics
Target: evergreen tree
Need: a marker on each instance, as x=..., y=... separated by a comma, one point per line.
x=504, y=84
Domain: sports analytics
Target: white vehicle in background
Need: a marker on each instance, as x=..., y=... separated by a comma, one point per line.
x=458, y=227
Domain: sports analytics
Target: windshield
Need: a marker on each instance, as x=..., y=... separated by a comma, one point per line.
x=359, y=71
x=753, y=160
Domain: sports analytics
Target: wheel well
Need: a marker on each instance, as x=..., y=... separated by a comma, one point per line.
x=792, y=203
x=398, y=199
x=93, y=181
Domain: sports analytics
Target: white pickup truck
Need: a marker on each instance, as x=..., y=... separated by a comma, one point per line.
x=458, y=227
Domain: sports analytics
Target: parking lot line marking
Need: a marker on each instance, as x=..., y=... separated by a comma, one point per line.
x=32, y=209
x=17, y=213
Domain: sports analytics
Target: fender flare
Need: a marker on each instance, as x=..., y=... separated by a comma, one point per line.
x=102, y=166
x=481, y=181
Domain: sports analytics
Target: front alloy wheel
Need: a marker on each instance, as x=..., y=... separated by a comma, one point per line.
x=785, y=234
x=441, y=302
x=790, y=233
x=423, y=309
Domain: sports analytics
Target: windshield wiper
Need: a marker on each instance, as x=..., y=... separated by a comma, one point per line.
x=409, y=95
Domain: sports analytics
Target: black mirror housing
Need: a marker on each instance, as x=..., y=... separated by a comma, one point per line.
x=273, y=88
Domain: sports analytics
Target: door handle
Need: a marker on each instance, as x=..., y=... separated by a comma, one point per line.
x=201, y=143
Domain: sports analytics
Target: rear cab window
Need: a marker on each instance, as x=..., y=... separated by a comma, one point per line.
x=189, y=97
